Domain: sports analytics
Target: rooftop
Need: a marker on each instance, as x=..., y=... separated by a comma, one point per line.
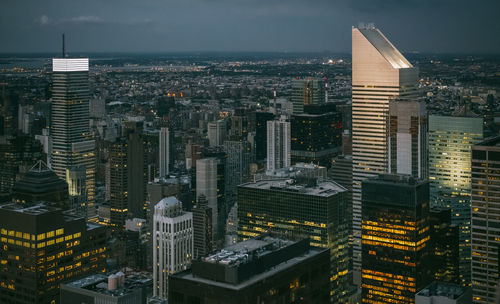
x=442, y=289
x=323, y=188
x=385, y=47
x=99, y=283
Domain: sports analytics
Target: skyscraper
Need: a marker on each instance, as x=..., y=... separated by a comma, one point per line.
x=216, y=133
x=42, y=248
x=202, y=228
x=450, y=143
x=395, y=260
x=72, y=144
x=303, y=207
x=316, y=135
x=407, y=138
x=166, y=157
x=172, y=242
x=308, y=91
x=379, y=74
x=278, y=144
x=485, y=220
x=210, y=183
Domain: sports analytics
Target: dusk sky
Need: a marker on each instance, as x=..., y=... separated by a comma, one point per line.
x=450, y=26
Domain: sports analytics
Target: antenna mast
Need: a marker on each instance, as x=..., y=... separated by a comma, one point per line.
x=63, y=47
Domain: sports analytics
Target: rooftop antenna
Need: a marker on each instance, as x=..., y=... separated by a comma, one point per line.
x=63, y=47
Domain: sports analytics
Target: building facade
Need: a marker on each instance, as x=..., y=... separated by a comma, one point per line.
x=41, y=248
x=308, y=91
x=395, y=263
x=380, y=73
x=172, y=242
x=485, y=220
x=307, y=207
x=450, y=143
x=72, y=144
x=278, y=144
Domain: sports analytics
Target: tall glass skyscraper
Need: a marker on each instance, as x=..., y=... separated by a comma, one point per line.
x=450, y=143
x=485, y=220
x=72, y=144
x=380, y=73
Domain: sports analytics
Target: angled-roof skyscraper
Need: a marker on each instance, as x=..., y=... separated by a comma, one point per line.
x=380, y=73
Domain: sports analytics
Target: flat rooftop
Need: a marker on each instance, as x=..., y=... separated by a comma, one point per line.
x=441, y=289
x=323, y=188
x=99, y=283
x=188, y=275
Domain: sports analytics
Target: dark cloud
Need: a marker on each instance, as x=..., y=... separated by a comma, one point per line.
x=246, y=25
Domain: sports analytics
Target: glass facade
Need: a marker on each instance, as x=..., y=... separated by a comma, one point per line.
x=395, y=239
x=315, y=210
x=450, y=142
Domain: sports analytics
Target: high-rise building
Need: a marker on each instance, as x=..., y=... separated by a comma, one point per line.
x=316, y=135
x=308, y=91
x=166, y=157
x=380, y=73
x=172, y=242
x=260, y=270
x=41, y=248
x=76, y=179
x=278, y=144
x=485, y=220
x=239, y=125
x=259, y=126
x=216, y=133
x=450, y=143
x=127, y=176
x=239, y=158
x=210, y=183
x=443, y=246
x=395, y=259
x=40, y=184
x=300, y=206
x=72, y=144
x=407, y=138
x=202, y=228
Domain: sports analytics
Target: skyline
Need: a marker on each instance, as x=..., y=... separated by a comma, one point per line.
x=246, y=26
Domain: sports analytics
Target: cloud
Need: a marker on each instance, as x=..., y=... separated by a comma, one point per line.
x=45, y=20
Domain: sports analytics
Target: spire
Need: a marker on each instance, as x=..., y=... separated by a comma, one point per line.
x=63, y=47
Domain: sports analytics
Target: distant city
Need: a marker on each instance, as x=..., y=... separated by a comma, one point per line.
x=199, y=178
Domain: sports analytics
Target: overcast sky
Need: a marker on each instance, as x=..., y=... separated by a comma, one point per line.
x=451, y=26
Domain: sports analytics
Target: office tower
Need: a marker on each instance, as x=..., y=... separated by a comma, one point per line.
x=216, y=133
x=450, y=144
x=379, y=74
x=444, y=246
x=172, y=242
x=239, y=158
x=210, y=183
x=40, y=184
x=239, y=125
x=278, y=144
x=313, y=208
x=166, y=152
x=308, y=91
x=407, y=138
x=42, y=248
x=444, y=293
x=116, y=288
x=72, y=144
x=265, y=269
x=316, y=135
x=260, y=129
x=127, y=176
x=395, y=259
x=485, y=219
x=202, y=228
x=341, y=170
x=17, y=155
x=76, y=179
